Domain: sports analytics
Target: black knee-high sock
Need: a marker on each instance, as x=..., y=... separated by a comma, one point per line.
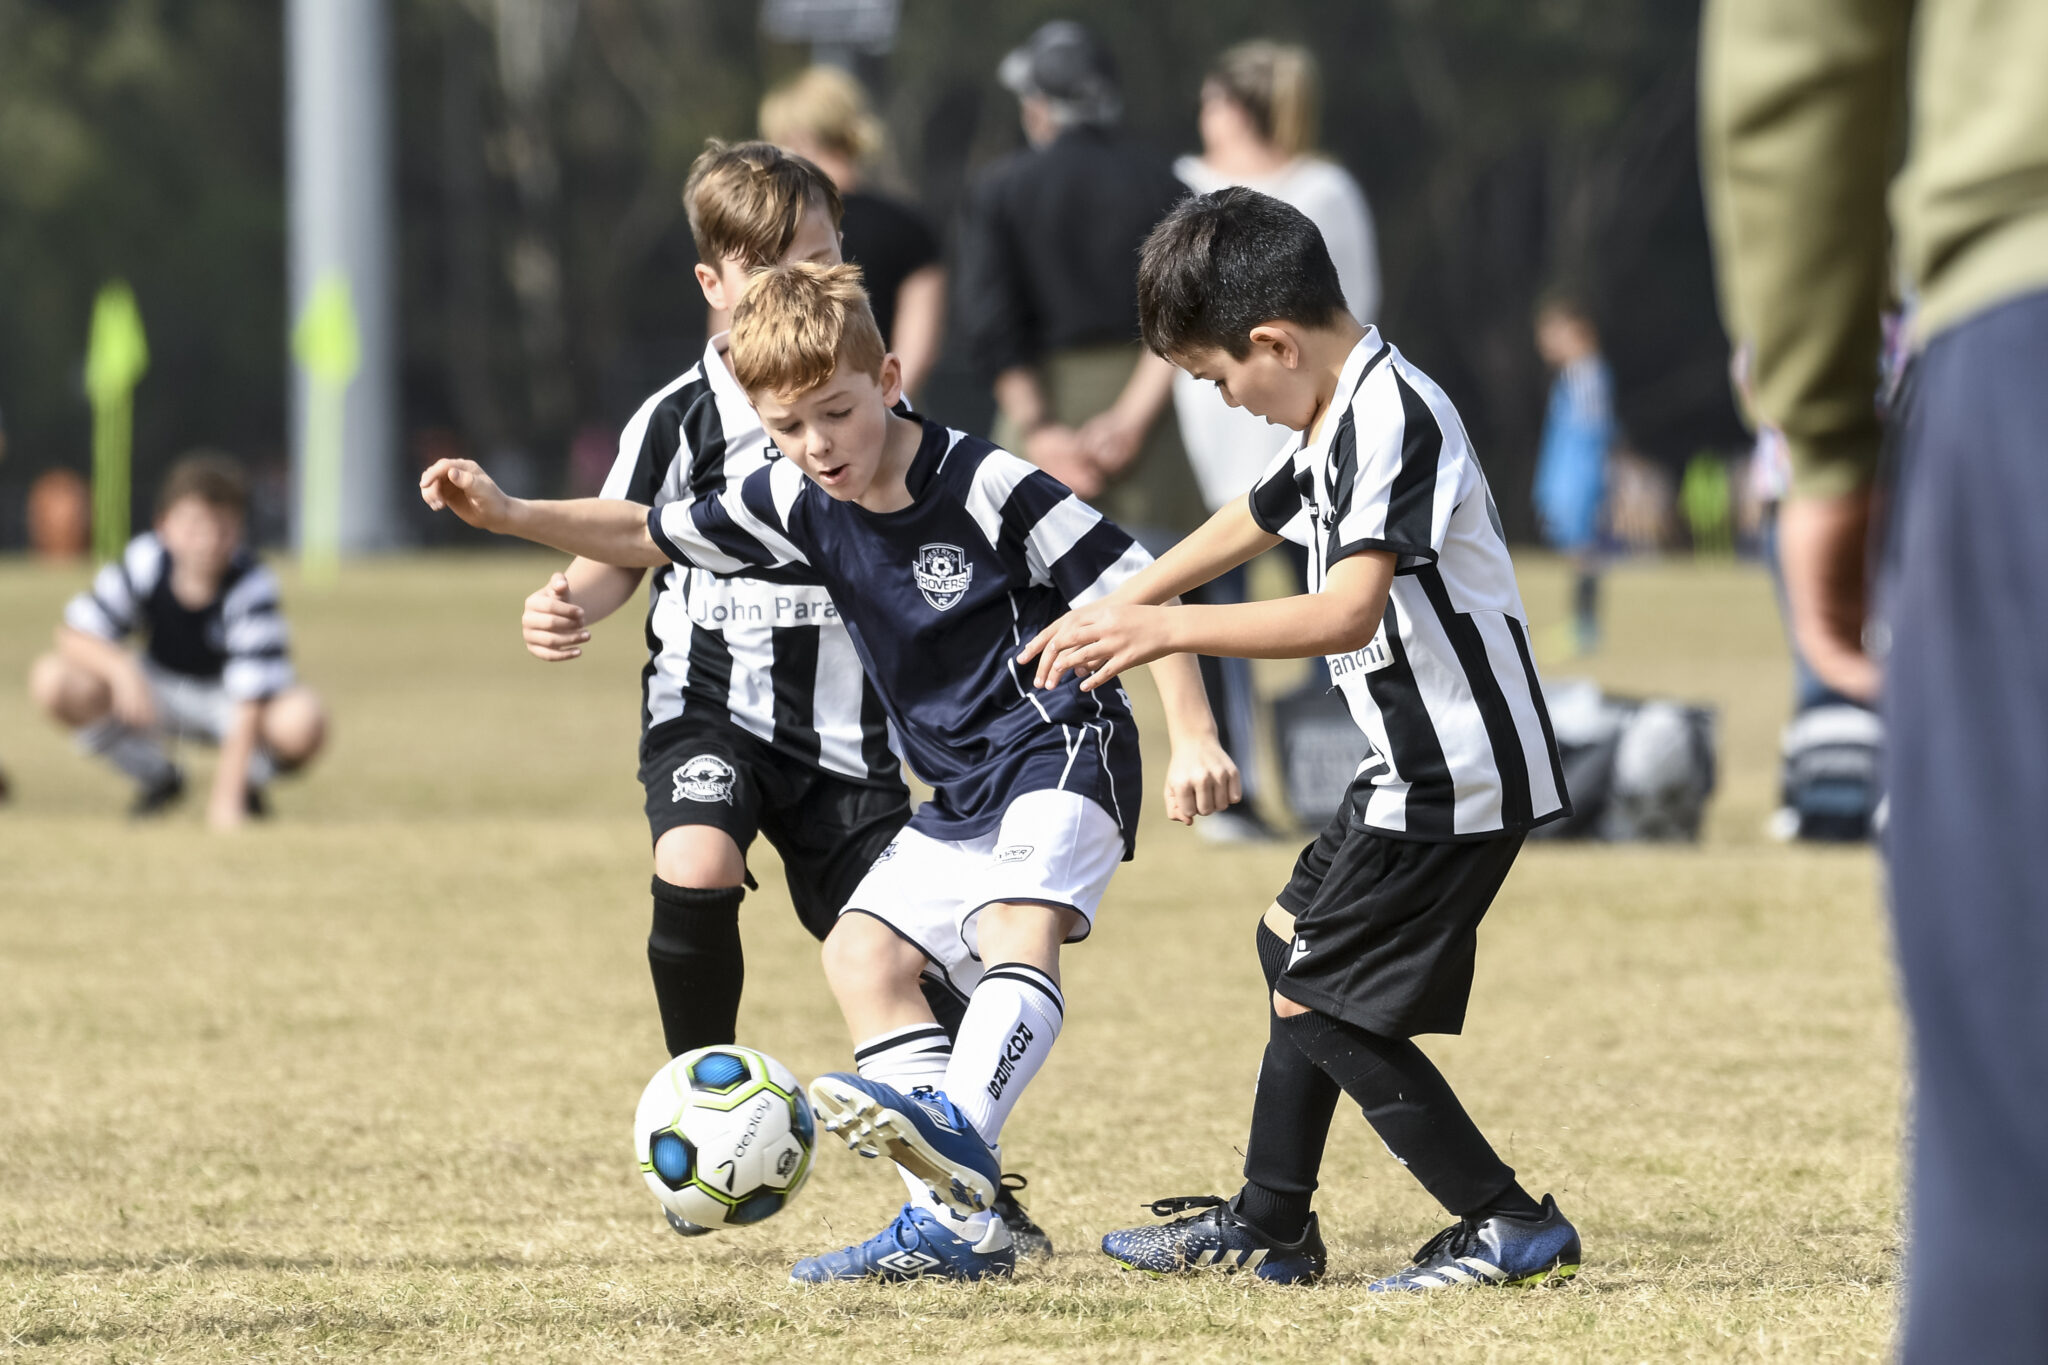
x=694, y=953
x=1290, y=1122
x=1410, y=1105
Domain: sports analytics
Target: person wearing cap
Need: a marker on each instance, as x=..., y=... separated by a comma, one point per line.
x=1048, y=305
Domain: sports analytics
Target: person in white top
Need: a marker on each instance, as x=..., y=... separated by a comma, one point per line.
x=1258, y=122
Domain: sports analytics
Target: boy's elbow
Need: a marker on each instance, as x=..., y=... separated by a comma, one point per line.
x=1357, y=628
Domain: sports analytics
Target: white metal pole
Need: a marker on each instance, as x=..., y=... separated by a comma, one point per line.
x=338, y=98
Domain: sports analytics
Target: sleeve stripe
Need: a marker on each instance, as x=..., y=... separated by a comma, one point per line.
x=1276, y=499
x=995, y=479
x=1065, y=525
x=1131, y=562
x=1411, y=504
x=87, y=614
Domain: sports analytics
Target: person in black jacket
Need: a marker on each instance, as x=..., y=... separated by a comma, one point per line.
x=1048, y=293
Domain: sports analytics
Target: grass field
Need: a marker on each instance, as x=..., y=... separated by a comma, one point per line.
x=359, y=1081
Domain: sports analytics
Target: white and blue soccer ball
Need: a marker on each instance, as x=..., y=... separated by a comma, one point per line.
x=724, y=1136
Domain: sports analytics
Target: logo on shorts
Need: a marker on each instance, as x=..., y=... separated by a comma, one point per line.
x=1300, y=951
x=942, y=574
x=1015, y=853
x=706, y=777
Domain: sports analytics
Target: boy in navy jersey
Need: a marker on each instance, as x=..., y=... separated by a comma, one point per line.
x=213, y=667
x=1412, y=597
x=944, y=554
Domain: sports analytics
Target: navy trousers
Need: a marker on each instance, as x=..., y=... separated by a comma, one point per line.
x=1966, y=704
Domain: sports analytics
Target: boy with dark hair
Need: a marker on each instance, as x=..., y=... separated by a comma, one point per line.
x=1412, y=597
x=214, y=666
x=943, y=553
x=755, y=717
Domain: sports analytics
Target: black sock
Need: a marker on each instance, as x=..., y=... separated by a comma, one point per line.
x=1290, y=1123
x=946, y=1005
x=1411, y=1107
x=694, y=953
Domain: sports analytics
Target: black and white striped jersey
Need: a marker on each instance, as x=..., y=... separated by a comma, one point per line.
x=939, y=596
x=1446, y=692
x=238, y=639
x=774, y=658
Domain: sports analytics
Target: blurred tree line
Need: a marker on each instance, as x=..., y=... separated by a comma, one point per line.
x=1506, y=146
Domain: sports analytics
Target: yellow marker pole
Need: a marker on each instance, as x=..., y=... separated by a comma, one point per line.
x=116, y=358
x=328, y=347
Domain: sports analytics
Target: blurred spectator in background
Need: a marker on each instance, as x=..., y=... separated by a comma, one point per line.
x=823, y=116
x=1571, y=467
x=59, y=514
x=1259, y=113
x=1802, y=110
x=213, y=666
x=1048, y=284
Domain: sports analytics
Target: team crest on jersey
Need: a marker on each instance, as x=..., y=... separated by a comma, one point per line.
x=942, y=574
x=706, y=777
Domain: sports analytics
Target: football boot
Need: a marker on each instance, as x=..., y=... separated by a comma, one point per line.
x=921, y=1132
x=1218, y=1239
x=1509, y=1252
x=1032, y=1241
x=917, y=1246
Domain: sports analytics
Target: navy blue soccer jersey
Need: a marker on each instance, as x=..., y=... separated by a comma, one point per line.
x=939, y=597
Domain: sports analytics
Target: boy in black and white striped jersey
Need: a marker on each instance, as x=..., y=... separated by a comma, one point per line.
x=213, y=667
x=1412, y=598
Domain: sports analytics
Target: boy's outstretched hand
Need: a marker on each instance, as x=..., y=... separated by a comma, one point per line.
x=1099, y=642
x=462, y=487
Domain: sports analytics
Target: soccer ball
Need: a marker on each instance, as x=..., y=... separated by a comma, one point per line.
x=724, y=1135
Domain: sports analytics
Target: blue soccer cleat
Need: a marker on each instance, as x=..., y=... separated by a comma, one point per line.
x=921, y=1132
x=1508, y=1252
x=917, y=1246
x=1217, y=1239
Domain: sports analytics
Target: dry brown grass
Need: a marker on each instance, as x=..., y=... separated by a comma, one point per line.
x=358, y=1082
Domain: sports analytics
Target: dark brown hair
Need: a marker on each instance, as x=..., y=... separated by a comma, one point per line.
x=215, y=479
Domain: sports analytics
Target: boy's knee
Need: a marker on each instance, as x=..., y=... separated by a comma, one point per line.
x=699, y=855
x=1024, y=931
x=65, y=693
x=863, y=950
x=294, y=726
x=1288, y=1009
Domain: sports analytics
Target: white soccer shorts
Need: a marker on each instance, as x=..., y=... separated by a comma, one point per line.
x=1053, y=847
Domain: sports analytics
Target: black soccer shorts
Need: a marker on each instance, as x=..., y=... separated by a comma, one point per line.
x=1385, y=928
x=828, y=829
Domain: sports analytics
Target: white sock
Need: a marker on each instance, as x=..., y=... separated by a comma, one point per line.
x=1011, y=1023
x=133, y=752
x=907, y=1058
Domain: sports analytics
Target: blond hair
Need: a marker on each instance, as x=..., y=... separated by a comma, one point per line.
x=798, y=324
x=826, y=106
x=746, y=201
x=1276, y=84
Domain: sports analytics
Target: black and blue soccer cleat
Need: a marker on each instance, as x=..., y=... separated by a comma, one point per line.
x=1217, y=1239
x=917, y=1246
x=921, y=1132
x=1507, y=1252
x=1032, y=1241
